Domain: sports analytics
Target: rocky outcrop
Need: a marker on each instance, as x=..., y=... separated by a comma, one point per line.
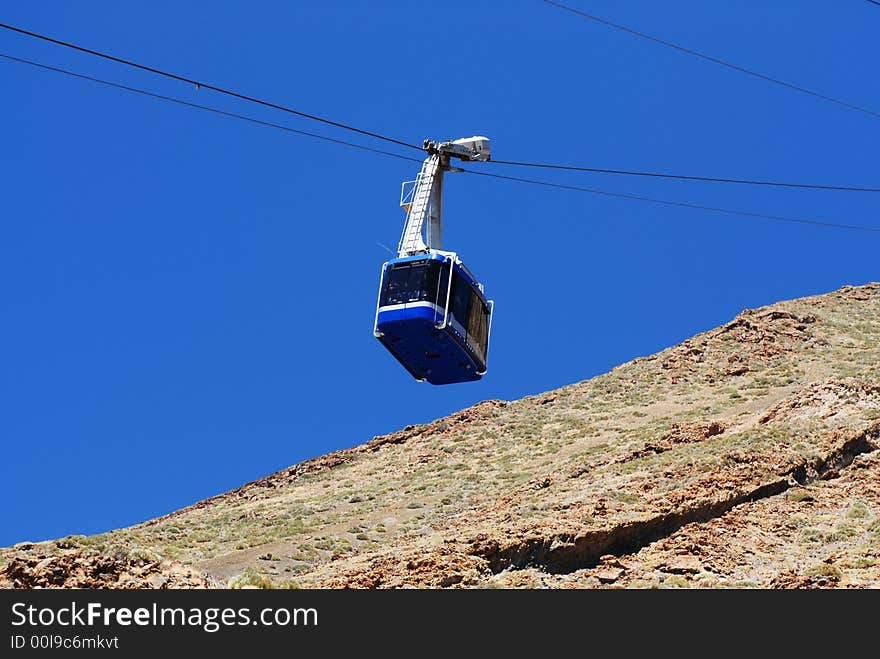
x=85, y=569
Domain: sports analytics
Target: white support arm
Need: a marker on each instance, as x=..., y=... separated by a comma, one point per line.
x=424, y=219
x=425, y=205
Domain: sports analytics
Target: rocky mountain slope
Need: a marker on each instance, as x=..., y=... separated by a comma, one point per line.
x=745, y=457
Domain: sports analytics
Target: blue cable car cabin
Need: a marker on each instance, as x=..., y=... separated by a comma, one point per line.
x=433, y=316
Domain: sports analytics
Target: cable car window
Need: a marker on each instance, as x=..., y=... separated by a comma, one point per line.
x=416, y=281
x=478, y=326
x=438, y=282
x=431, y=282
x=461, y=299
x=402, y=279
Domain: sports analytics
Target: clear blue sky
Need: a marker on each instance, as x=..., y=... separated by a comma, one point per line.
x=188, y=299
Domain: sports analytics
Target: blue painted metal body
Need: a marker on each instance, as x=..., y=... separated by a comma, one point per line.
x=414, y=331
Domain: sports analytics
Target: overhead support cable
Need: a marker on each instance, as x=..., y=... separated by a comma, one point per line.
x=709, y=58
x=204, y=85
x=549, y=184
x=680, y=204
x=683, y=177
x=392, y=140
x=207, y=108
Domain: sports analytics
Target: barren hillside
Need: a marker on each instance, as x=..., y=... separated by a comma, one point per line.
x=745, y=456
